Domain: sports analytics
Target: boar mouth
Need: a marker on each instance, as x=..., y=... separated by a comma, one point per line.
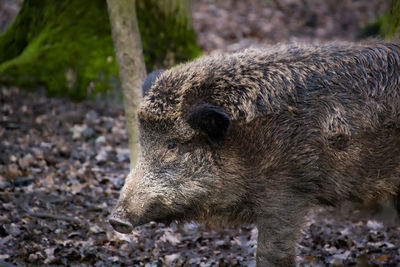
x=124, y=222
x=165, y=219
x=120, y=226
x=160, y=214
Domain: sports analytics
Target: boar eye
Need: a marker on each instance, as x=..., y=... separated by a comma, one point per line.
x=171, y=145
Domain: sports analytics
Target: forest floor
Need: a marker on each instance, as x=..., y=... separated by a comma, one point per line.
x=62, y=165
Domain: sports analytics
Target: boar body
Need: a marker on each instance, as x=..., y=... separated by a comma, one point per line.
x=263, y=135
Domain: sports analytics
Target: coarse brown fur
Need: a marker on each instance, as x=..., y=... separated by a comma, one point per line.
x=262, y=135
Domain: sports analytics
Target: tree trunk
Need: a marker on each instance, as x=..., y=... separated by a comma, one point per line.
x=393, y=30
x=65, y=46
x=132, y=70
x=167, y=32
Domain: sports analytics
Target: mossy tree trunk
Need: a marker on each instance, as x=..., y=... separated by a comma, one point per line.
x=393, y=29
x=167, y=32
x=66, y=45
x=132, y=69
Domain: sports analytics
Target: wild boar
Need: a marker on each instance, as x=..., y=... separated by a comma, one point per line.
x=261, y=136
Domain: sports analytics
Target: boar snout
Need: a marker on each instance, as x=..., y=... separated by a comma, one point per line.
x=119, y=222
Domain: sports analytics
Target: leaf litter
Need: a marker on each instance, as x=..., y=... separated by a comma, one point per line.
x=55, y=202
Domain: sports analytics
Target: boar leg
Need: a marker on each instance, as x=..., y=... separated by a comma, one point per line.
x=277, y=239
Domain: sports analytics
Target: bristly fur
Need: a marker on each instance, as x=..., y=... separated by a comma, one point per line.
x=286, y=127
x=337, y=89
x=256, y=81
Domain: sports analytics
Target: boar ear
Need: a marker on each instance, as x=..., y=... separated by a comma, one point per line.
x=212, y=121
x=150, y=80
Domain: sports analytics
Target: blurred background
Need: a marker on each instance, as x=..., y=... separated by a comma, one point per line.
x=66, y=46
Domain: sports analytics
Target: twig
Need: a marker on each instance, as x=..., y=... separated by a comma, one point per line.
x=45, y=215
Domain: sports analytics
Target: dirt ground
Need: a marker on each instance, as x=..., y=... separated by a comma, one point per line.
x=62, y=165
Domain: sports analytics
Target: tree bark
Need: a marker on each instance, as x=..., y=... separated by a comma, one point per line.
x=167, y=32
x=132, y=69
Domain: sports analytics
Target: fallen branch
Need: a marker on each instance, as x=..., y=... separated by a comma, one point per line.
x=45, y=215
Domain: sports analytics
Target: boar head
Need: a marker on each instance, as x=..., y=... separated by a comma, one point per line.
x=178, y=175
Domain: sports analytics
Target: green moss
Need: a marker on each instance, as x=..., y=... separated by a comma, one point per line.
x=378, y=28
x=393, y=28
x=167, y=37
x=66, y=46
